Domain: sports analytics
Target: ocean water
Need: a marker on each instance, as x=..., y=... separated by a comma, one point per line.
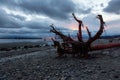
x=22, y=42
x=33, y=41
x=19, y=40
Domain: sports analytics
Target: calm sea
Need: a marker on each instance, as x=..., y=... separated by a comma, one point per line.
x=19, y=40
x=39, y=41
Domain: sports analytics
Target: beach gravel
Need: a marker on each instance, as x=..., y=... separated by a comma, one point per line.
x=42, y=65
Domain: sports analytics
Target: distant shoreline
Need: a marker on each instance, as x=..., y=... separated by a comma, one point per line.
x=85, y=36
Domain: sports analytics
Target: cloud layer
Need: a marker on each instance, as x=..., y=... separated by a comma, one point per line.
x=12, y=23
x=57, y=9
x=33, y=17
x=113, y=7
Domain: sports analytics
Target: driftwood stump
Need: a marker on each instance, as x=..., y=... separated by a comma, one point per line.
x=81, y=47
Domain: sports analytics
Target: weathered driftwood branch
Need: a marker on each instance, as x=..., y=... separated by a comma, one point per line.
x=99, y=33
x=104, y=46
x=79, y=28
x=64, y=37
x=89, y=33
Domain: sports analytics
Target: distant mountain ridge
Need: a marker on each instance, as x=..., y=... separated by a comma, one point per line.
x=28, y=37
x=110, y=36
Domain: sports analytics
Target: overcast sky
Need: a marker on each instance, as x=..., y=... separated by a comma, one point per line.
x=31, y=18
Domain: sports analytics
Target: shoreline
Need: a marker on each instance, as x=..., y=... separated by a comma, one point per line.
x=39, y=63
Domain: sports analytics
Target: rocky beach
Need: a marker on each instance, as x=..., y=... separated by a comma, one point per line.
x=39, y=63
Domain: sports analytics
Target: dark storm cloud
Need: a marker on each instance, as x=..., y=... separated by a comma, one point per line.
x=15, y=25
x=52, y=8
x=57, y=9
x=24, y=33
x=17, y=21
x=37, y=24
x=8, y=21
x=113, y=7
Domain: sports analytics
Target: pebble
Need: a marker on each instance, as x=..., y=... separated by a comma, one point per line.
x=103, y=72
x=116, y=76
x=48, y=68
x=63, y=78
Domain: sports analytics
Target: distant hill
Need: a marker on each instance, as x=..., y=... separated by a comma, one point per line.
x=19, y=37
x=57, y=37
x=110, y=36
